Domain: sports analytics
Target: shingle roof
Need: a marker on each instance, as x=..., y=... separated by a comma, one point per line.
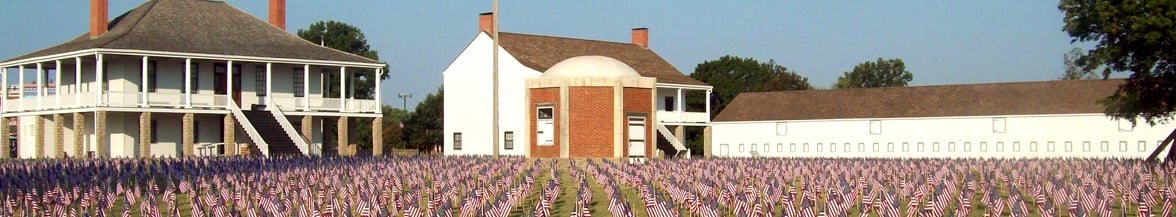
x=1020, y=98
x=541, y=52
x=199, y=26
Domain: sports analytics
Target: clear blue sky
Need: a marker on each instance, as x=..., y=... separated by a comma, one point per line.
x=942, y=42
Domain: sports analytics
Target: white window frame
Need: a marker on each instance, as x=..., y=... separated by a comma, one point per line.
x=1106, y=146
x=875, y=127
x=999, y=125
x=456, y=140
x=781, y=128
x=540, y=140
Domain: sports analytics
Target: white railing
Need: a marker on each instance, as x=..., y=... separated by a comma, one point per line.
x=208, y=101
x=11, y=105
x=121, y=99
x=276, y=111
x=249, y=130
x=165, y=99
x=285, y=102
x=673, y=140
x=325, y=104
x=361, y=105
x=682, y=117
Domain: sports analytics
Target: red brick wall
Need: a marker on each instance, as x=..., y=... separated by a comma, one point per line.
x=590, y=122
x=639, y=100
x=544, y=96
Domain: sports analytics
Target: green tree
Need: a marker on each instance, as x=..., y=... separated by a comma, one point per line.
x=393, y=117
x=1075, y=71
x=423, y=128
x=870, y=74
x=347, y=38
x=1133, y=36
x=731, y=75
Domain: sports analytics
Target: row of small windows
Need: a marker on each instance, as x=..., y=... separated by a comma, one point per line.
x=1068, y=146
x=999, y=125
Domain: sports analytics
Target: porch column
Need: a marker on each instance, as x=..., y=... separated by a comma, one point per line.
x=308, y=134
x=378, y=136
x=230, y=135
x=79, y=134
x=708, y=107
x=143, y=83
x=678, y=106
x=229, y=85
x=100, y=136
x=38, y=137
x=58, y=135
x=306, y=88
x=706, y=141
x=342, y=89
x=379, y=71
x=145, y=135
x=4, y=81
x=57, y=86
x=40, y=83
x=98, y=89
x=77, y=85
x=187, y=88
x=342, y=146
x=4, y=149
x=189, y=135
x=20, y=72
x=269, y=84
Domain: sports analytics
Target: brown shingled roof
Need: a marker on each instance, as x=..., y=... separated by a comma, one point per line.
x=541, y=52
x=199, y=26
x=1019, y=98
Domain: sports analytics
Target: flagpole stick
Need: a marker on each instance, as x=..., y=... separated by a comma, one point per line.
x=495, y=74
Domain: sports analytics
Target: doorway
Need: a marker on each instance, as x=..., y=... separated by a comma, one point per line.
x=220, y=86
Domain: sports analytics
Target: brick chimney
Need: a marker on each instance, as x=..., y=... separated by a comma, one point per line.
x=486, y=22
x=98, y=14
x=641, y=37
x=277, y=13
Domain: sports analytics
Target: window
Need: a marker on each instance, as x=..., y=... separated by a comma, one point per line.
x=782, y=129
x=508, y=140
x=1086, y=146
x=875, y=127
x=299, y=79
x=195, y=68
x=1143, y=145
x=951, y=146
x=792, y=147
x=1033, y=146
x=1049, y=146
x=832, y=147
x=1123, y=145
x=967, y=146
x=740, y=147
x=890, y=147
x=260, y=80
x=861, y=147
x=545, y=126
x=1016, y=146
x=457, y=141
x=906, y=147
x=919, y=146
x=195, y=131
x=779, y=147
x=983, y=146
x=820, y=147
x=876, y=147
x=767, y=147
x=218, y=86
x=998, y=125
x=754, y=147
x=669, y=103
x=1069, y=146
x=847, y=148
x=154, y=131
x=1125, y=126
x=999, y=146
x=151, y=74
x=1106, y=146
x=805, y=148
x=935, y=146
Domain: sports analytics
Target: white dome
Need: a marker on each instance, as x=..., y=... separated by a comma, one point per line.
x=591, y=66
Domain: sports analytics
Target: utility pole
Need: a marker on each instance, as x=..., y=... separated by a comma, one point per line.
x=404, y=98
x=495, y=110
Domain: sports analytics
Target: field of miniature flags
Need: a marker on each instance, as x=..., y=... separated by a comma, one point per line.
x=511, y=186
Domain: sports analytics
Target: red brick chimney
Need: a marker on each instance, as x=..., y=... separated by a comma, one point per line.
x=98, y=14
x=641, y=37
x=277, y=13
x=486, y=22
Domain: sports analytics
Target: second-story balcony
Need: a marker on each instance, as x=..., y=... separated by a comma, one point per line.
x=178, y=100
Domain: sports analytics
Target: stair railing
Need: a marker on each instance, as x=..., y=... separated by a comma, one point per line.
x=299, y=141
x=673, y=140
x=249, y=129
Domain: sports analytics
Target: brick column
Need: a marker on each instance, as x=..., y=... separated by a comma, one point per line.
x=706, y=142
x=378, y=136
x=341, y=132
x=189, y=135
x=58, y=136
x=38, y=137
x=680, y=135
x=100, y=135
x=5, y=151
x=79, y=134
x=230, y=135
x=307, y=128
x=145, y=134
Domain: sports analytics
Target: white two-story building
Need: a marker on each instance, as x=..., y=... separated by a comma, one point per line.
x=468, y=85
x=185, y=78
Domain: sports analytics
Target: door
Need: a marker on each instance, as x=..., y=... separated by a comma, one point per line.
x=545, y=126
x=237, y=84
x=637, y=136
x=220, y=84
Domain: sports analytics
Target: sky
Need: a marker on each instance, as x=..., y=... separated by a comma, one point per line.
x=941, y=42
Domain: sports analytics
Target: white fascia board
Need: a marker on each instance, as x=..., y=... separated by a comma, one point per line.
x=131, y=52
x=911, y=118
x=684, y=86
